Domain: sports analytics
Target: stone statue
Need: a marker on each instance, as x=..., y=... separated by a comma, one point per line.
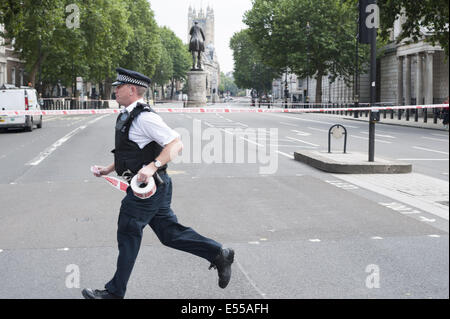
x=197, y=45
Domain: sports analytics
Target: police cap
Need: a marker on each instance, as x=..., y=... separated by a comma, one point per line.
x=125, y=76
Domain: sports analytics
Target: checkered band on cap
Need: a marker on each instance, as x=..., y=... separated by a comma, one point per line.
x=127, y=79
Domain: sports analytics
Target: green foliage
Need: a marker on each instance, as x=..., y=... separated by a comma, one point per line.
x=177, y=52
x=249, y=69
x=111, y=33
x=432, y=15
x=227, y=84
x=279, y=30
x=164, y=69
x=144, y=48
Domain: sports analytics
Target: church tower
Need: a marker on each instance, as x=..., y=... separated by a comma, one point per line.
x=205, y=21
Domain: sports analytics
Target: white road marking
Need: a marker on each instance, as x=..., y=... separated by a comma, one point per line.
x=287, y=155
x=434, y=139
x=397, y=187
x=423, y=159
x=46, y=153
x=426, y=220
x=440, y=135
x=366, y=138
x=429, y=150
x=262, y=294
x=342, y=185
x=301, y=133
x=288, y=124
x=63, y=249
x=318, y=129
x=315, y=240
x=377, y=238
x=1, y=250
x=253, y=242
x=379, y=135
x=295, y=139
x=313, y=121
x=434, y=236
x=250, y=141
x=296, y=146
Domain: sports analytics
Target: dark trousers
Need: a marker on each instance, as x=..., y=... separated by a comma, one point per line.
x=155, y=211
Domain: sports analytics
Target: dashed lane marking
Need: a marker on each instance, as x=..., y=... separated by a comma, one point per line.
x=434, y=139
x=379, y=135
x=287, y=155
x=343, y=185
x=366, y=138
x=46, y=153
x=429, y=150
x=297, y=140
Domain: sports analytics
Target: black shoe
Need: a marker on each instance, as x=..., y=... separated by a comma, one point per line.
x=223, y=263
x=98, y=294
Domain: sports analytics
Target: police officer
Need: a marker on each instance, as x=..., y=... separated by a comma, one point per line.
x=144, y=144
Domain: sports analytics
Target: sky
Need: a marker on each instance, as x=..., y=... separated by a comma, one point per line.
x=228, y=20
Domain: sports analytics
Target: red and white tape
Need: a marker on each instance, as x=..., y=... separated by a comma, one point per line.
x=226, y=110
x=139, y=190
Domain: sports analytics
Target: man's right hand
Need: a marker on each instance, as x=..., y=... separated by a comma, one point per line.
x=100, y=171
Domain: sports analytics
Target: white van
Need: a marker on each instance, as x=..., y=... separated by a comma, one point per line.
x=23, y=99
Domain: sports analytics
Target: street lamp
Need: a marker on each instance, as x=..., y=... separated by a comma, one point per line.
x=308, y=28
x=286, y=91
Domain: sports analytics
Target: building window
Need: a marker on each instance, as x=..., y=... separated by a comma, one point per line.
x=13, y=76
x=300, y=83
x=2, y=74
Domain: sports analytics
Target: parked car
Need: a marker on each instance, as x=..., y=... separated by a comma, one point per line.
x=23, y=99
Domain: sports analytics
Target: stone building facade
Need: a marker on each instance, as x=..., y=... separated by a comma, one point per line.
x=209, y=57
x=407, y=74
x=12, y=69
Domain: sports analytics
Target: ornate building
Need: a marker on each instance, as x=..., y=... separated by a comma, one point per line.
x=209, y=57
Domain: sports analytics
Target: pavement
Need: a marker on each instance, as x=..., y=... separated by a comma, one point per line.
x=351, y=163
x=403, y=122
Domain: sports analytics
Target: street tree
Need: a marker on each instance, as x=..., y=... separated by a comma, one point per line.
x=250, y=71
x=425, y=19
x=164, y=70
x=144, y=48
x=227, y=84
x=311, y=38
x=46, y=38
x=178, y=53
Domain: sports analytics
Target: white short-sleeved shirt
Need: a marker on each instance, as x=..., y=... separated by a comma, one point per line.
x=149, y=127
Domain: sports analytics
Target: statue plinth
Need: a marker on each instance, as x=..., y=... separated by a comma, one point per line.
x=196, y=89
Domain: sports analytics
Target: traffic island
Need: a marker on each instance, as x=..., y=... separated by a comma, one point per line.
x=351, y=163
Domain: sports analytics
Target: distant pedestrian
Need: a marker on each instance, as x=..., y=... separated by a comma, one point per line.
x=144, y=145
x=445, y=114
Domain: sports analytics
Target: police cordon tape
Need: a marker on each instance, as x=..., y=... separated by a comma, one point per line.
x=226, y=110
x=140, y=190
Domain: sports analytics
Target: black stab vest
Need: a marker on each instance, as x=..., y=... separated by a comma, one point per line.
x=127, y=154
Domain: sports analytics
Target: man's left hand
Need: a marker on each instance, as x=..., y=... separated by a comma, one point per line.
x=146, y=173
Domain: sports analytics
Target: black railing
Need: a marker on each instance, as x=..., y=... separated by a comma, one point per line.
x=73, y=104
